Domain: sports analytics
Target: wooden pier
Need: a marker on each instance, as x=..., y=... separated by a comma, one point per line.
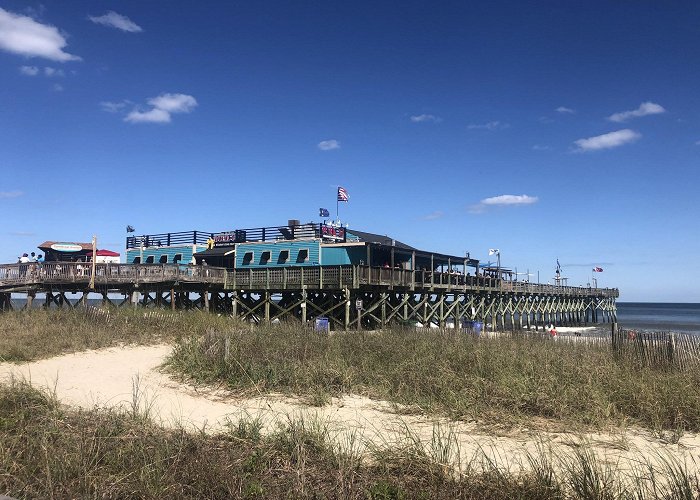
x=350, y=296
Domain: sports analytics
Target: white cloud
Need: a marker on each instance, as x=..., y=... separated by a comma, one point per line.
x=118, y=21
x=510, y=199
x=29, y=70
x=174, y=103
x=425, y=118
x=494, y=125
x=644, y=109
x=437, y=214
x=539, y=147
x=607, y=141
x=564, y=109
x=113, y=107
x=503, y=200
x=328, y=145
x=155, y=115
x=24, y=36
x=163, y=107
x=53, y=72
x=697, y=143
x=10, y=194
x=57, y=87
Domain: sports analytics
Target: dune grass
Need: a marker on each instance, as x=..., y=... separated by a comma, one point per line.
x=47, y=451
x=42, y=333
x=497, y=380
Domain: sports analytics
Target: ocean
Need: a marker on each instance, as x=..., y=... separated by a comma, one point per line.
x=675, y=317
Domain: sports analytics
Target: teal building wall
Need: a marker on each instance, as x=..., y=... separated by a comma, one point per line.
x=244, y=251
x=163, y=255
x=336, y=255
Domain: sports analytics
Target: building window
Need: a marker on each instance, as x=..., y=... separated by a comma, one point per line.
x=137, y=260
x=283, y=257
x=247, y=258
x=265, y=257
x=303, y=255
x=163, y=259
x=177, y=259
x=150, y=259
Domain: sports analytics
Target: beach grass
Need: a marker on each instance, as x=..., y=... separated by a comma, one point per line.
x=40, y=333
x=48, y=451
x=499, y=381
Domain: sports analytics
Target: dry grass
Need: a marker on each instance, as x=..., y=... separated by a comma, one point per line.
x=47, y=451
x=498, y=380
x=42, y=333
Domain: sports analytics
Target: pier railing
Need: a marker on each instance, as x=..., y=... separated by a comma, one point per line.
x=76, y=274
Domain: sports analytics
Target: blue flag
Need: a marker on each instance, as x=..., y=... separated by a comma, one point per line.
x=323, y=212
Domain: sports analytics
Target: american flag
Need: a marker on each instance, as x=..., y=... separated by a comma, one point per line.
x=597, y=269
x=342, y=194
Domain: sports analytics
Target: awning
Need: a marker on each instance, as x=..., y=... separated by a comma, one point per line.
x=107, y=253
x=215, y=252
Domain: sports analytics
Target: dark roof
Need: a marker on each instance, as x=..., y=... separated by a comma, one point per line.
x=215, y=252
x=379, y=239
x=47, y=244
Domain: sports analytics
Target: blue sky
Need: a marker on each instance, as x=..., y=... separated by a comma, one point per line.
x=549, y=130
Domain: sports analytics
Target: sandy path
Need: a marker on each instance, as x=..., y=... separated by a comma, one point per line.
x=110, y=377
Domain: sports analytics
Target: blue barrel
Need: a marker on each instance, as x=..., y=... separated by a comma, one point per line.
x=321, y=324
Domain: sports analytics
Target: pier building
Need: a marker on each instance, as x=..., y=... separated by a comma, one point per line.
x=298, y=271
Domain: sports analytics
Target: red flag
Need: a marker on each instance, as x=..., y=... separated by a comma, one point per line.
x=597, y=269
x=342, y=194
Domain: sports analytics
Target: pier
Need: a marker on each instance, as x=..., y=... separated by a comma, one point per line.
x=349, y=295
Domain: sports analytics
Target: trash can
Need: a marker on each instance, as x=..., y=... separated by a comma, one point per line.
x=477, y=327
x=321, y=324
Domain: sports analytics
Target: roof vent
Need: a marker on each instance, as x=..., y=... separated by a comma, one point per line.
x=293, y=222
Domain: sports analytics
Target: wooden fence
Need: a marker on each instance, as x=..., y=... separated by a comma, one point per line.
x=653, y=349
x=659, y=349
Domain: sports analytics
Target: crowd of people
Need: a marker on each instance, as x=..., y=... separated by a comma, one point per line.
x=29, y=258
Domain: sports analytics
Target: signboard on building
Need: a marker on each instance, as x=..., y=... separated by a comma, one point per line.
x=226, y=239
x=66, y=247
x=332, y=233
x=229, y=238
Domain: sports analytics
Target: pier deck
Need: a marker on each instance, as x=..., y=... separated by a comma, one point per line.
x=370, y=296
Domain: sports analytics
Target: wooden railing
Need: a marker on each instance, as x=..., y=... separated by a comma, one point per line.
x=336, y=277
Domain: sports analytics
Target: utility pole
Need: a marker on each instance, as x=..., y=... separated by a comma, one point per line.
x=94, y=258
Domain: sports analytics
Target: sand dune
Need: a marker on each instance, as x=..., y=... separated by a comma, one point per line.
x=127, y=377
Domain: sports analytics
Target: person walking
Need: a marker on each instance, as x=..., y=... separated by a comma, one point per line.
x=24, y=263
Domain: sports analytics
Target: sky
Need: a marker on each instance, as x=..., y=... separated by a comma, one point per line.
x=548, y=130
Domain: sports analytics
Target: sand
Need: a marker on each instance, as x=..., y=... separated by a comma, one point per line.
x=129, y=377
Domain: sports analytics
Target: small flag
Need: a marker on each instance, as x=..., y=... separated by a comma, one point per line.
x=342, y=194
x=323, y=212
x=558, y=265
x=597, y=269
x=130, y=229
x=493, y=251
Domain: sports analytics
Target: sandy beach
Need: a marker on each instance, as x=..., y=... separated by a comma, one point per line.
x=127, y=377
